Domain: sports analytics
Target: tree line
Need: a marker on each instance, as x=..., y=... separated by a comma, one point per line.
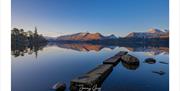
x=20, y=37
x=22, y=41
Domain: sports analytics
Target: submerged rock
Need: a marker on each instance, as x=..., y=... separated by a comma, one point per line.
x=159, y=72
x=129, y=59
x=59, y=86
x=150, y=61
x=163, y=62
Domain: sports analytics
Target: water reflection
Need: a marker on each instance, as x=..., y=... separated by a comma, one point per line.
x=149, y=50
x=86, y=47
x=66, y=61
x=17, y=51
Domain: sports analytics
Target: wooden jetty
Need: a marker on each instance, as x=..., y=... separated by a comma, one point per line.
x=92, y=78
x=97, y=75
x=115, y=59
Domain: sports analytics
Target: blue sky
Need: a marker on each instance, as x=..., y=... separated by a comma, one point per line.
x=59, y=17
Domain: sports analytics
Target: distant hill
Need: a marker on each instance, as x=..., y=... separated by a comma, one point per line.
x=112, y=36
x=85, y=37
x=155, y=31
x=151, y=33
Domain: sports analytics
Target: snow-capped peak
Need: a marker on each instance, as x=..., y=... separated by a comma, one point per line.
x=153, y=30
x=112, y=36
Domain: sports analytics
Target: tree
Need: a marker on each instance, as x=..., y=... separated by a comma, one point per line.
x=20, y=40
x=35, y=32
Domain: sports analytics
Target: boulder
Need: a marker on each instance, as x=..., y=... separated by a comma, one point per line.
x=59, y=86
x=130, y=66
x=129, y=59
x=150, y=61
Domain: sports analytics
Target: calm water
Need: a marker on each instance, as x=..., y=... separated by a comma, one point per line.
x=39, y=70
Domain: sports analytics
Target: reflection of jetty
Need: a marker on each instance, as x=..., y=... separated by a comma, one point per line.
x=94, y=78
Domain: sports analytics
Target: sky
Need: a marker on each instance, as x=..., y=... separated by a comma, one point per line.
x=61, y=17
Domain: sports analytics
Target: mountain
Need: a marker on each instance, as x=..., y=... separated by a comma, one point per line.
x=165, y=30
x=112, y=36
x=50, y=38
x=82, y=37
x=86, y=36
x=153, y=30
x=151, y=33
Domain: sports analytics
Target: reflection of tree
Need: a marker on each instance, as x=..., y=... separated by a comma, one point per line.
x=22, y=50
x=26, y=42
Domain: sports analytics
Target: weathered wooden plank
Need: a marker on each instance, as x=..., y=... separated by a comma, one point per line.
x=93, y=77
x=121, y=53
x=115, y=59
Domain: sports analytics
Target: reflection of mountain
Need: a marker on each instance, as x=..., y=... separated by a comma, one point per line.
x=81, y=47
x=97, y=47
x=84, y=47
x=151, y=50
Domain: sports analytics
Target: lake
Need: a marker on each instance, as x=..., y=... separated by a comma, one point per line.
x=38, y=69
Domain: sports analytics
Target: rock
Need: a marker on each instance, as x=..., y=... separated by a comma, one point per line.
x=150, y=61
x=159, y=72
x=59, y=86
x=129, y=59
x=130, y=66
x=163, y=62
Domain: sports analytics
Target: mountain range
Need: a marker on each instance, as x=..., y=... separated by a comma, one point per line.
x=86, y=36
x=151, y=33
